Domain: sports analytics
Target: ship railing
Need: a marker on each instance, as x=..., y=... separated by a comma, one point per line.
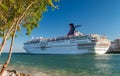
x=33, y=41
x=62, y=38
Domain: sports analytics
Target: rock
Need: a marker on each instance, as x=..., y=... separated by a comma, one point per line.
x=5, y=73
x=22, y=74
x=13, y=73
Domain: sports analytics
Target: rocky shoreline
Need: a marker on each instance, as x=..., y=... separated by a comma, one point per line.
x=113, y=52
x=17, y=73
x=13, y=73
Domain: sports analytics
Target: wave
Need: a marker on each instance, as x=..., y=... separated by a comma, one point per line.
x=33, y=71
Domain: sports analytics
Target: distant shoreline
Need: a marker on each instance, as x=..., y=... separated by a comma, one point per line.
x=113, y=52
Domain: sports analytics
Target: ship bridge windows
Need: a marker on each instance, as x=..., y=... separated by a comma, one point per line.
x=33, y=42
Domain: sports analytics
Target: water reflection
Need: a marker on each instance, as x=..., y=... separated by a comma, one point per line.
x=103, y=64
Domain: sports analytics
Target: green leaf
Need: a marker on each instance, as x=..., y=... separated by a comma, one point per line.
x=12, y=1
x=12, y=10
x=4, y=7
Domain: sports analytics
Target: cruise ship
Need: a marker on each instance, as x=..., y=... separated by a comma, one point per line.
x=73, y=43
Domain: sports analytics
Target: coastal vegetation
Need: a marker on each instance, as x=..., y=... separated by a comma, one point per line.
x=17, y=14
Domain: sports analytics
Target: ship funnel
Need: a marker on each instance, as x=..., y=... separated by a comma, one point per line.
x=72, y=29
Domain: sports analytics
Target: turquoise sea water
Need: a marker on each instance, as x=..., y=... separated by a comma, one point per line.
x=65, y=65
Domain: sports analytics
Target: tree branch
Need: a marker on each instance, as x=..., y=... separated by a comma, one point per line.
x=10, y=53
x=0, y=1
x=10, y=30
x=6, y=36
x=12, y=41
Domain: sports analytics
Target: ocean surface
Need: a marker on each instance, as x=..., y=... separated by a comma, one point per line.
x=65, y=65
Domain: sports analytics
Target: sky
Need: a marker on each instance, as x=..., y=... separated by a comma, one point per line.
x=96, y=16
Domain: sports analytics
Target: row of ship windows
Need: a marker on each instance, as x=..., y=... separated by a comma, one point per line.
x=83, y=39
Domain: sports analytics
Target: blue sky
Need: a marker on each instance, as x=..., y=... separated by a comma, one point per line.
x=95, y=16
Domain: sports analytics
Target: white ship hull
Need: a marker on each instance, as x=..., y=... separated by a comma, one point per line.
x=58, y=50
x=65, y=51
